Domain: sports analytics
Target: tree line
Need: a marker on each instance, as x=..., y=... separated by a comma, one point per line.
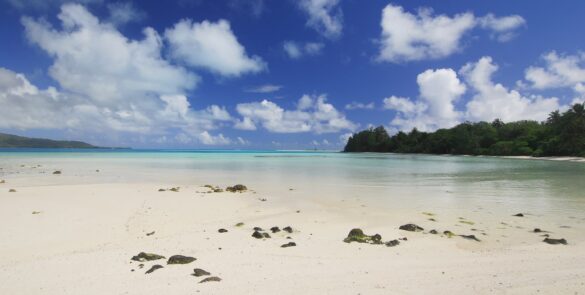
x=562, y=134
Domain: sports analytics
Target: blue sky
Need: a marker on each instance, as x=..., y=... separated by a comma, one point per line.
x=280, y=74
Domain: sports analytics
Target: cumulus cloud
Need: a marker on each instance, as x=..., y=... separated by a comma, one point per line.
x=407, y=36
x=212, y=46
x=108, y=83
x=359, y=106
x=324, y=16
x=124, y=12
x=296, y=50
x=313, y=114
x=494, y=101
x=439, y=89
x=267, y=88
x=558, y=71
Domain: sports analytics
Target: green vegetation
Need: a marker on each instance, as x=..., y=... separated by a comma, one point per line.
x=561, y=135
x=13, y=141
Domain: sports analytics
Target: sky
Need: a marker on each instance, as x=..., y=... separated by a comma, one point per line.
x=280, y=74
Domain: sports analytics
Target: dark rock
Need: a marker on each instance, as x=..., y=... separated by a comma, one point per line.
x=274, y=229
x=448, y=233
x=150, y=233
x=434, y=232
x=392, y=243
x=153, y=268
x=258, y=228
x=411, y=227
x=403, y=239
x=141, y=265
x=199, y=272
x=257, y=235
x=142, y=256
x=555, y=241
x=288, y=229
x=470, y=237
x=11, y=190
x=162, y=190
x=217, y=190
x=518, y=215
x=537, y=230
x=222, y=230
x=237, y=188
x=239, y=224
x=357, y=235
x=211, y=279
x=175, y=189
x=180, y=259
x=266, y=235
x=289, y=244
x=57, y=172
x=36, y=212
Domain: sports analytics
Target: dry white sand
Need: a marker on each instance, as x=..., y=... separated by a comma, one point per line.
x=89, y=224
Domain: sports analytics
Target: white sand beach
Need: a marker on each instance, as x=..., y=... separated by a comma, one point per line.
x=75, y=233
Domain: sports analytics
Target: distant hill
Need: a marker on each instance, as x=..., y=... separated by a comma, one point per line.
x=14, y=141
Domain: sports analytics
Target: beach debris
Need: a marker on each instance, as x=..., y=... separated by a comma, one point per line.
x=150, y=233
x=175, y=189
x=392, y=243
x=357, y=235
x=288, y=229
x=211, y=279
x=57, y=172
x=153, y=268
x=274, y=229
x=180, y=259
x=289, y=244
x=411, y=227
x=257, y=235
x=36, y=212
x=222, y=230
x=239, y=224
x=200, y=272
x=142, y=257
x=555, y=241
x=434, y=231
x=11, y=190
x=470, y=237
x=518, y=215
x=448, y=233
x=238, y=188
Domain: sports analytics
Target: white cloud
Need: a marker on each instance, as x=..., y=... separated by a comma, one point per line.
x=208, y=139
x=420, y=36
x=108, y=83
x=559, y=71
x=296, y=50
x=359, y=106
x=325, y=16
x=313, y=114
x=439, y=89
x=494, y=101
x=267, y=88
x=124, y=12
x=212, y=46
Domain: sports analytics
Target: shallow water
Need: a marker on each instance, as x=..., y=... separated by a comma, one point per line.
x=384, y=179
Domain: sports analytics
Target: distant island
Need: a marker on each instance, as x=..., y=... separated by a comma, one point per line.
x=562, y=134
x=14, y=141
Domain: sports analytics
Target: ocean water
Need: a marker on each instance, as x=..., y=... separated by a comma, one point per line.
x=386, y=179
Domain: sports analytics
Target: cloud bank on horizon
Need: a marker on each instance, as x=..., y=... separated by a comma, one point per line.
x=117, y=75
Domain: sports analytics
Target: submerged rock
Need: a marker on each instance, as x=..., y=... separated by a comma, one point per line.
x=289, y=244
x=392, y=243
x=288, y=229
x=211, y=279
x=357, y=235
x=257, y=235
x=555, y=241
x=411, y=227
x=518, y=215
x=274, y=229
x=180, y=259
x=200, y=272
x=142, y=256
x=237, y=188
x=153, y=268
x=470, y=237
x=222, y=230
